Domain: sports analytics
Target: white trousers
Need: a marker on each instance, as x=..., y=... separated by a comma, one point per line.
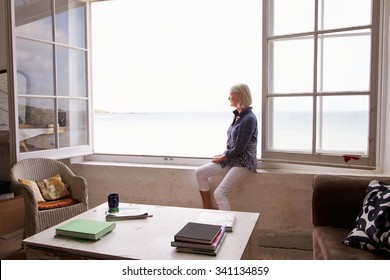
x=233, y=178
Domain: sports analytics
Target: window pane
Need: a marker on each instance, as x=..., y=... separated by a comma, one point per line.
x=72, y=120
x=345, y=13
x=291, y=66
x=22, y=88
x=344, y=62
x=4, y=111
x=342, y=123
x=36, y=132
x=70, y=22
x=71, y=71
x=35, y=61
x=291, y=123
x=34, y=19
x=286, y=22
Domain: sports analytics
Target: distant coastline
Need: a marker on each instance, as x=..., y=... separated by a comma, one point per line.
x=101, y=111
x=203, y=134
x=105, y=112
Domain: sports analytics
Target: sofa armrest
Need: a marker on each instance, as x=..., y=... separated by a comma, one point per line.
x=337, y=200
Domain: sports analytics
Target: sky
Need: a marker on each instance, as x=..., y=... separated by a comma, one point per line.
x=174, y=55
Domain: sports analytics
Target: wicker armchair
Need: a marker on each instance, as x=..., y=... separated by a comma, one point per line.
x=42, y=168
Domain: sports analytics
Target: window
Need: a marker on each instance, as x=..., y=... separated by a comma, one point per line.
x=162, y=72
x=51, y=60
x=320, y=81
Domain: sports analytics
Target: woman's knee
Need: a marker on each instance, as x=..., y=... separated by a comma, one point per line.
x=201, y=179
x=198, y=173
x=219, y=195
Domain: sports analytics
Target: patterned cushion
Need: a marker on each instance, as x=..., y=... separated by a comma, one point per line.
x=33, y=185
x=47, y=189
x=53, y=188
x=372, y=232
x=46, y=205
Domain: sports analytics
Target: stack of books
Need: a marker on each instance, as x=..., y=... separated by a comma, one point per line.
x=199, y=238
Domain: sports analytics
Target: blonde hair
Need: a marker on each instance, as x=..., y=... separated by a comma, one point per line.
x=243, y=91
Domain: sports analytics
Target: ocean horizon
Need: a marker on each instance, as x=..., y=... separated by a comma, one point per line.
x=204, y=134
x=161, y=134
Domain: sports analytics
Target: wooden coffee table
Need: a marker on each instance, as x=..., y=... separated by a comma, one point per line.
x=145, y=239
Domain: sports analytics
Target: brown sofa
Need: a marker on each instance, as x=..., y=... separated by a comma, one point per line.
x=337, y=200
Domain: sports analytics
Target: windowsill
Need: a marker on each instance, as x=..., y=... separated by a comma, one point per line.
x=281, y=168
x=130, y=164
x=191, y=164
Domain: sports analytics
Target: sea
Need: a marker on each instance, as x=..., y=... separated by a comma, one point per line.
x=204, y=134
x=162, y=134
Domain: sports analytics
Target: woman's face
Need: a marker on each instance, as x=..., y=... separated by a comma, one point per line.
x=234, y=99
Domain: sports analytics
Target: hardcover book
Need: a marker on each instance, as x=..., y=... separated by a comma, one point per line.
x=199, y=251
x=209, y=247
x=198, y=233
x=85, y=229
x=212, y=252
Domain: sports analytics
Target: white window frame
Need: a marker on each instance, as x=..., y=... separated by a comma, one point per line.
x=57, y=152
x=367, y=162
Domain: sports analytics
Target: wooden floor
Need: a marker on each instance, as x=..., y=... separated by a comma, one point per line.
x=10, y=249
x=11, y=246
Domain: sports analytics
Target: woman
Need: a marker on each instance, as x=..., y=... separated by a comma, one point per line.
x=240, y=156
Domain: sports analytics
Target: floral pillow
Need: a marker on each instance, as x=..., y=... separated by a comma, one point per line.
x=53, y=188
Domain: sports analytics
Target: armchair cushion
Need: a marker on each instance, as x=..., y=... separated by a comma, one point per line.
x=372, y=231
x=46, y=205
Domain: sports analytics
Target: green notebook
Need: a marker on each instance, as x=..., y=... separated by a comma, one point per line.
x=85, y=229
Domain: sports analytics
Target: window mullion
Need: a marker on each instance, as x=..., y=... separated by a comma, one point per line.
x=54, y=32
x=315, y=81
